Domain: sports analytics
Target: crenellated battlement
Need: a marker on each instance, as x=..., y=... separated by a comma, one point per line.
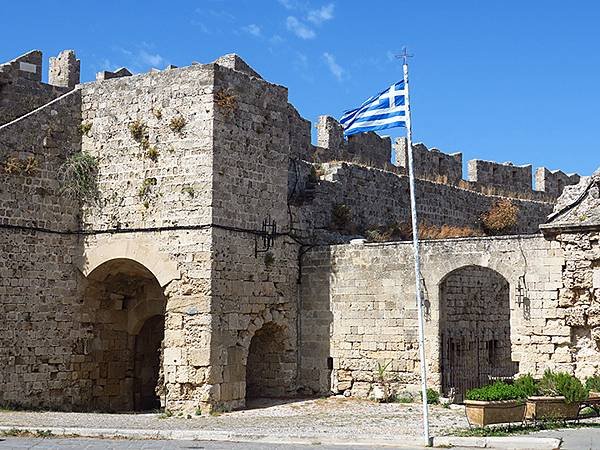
x=24, y=91
x=430, y=163
x=500, y=174
x=553, y=181
x=21, y=86
x=64, y=70
x=366, y=148
x=27, y=66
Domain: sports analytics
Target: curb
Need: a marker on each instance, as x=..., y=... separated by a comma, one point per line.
x=508, y=442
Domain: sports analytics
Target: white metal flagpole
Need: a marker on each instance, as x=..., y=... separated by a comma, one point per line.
x=415, y=230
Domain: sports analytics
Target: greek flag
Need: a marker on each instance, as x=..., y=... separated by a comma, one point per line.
x=384, y=110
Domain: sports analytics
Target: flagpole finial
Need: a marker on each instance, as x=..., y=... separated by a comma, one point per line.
x=404, y=55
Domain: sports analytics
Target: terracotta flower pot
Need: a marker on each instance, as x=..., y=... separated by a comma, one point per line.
x=482, y=413
x=549, y=408
x=594, y=395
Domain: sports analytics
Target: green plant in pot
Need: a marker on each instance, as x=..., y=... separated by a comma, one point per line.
x=381, y=390
x=559, y=396
x=499, y=402
x=592, y=384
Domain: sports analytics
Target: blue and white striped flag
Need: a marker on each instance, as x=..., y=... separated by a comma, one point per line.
x=384, y=110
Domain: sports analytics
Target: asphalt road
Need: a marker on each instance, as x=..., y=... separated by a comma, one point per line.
x=575, y=438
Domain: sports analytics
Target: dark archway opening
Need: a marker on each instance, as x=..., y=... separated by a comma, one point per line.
x=148, y=345
x=474, y=330
x=124, y=307
x=270, y=369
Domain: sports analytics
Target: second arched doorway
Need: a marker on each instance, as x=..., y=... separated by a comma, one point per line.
x=474, y=330
x=271, y=364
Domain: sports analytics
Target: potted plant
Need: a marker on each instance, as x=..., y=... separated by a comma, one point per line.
x=496, y=403
x=592, y=384
x=380, y=390
x=559, y=397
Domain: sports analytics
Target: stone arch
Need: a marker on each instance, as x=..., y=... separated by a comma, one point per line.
x=158, y=263
x=475, y=329
x=124, y=313
x=271, y=363
x=262, y=363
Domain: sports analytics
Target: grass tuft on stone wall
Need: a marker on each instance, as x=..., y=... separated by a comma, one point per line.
x=79, y=176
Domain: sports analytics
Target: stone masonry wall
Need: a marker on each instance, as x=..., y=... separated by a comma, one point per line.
x=553, y=181
x=430, y=163
x=21, y=88
x=358, y=308
x=38, y=281
x=579, y=302
x=158, y=185
x=252, y=293
x=492, y=173
x=379, y=198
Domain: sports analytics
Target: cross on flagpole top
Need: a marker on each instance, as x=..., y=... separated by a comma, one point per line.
x=404, y=55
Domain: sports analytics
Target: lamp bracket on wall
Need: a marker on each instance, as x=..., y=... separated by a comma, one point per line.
x=266, y=235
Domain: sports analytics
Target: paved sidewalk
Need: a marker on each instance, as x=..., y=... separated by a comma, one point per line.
x=348, y=420
x=269, y=424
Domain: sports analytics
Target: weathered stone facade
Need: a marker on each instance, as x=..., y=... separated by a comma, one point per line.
x=365, y=293
x=21, y=89
x=203, y=271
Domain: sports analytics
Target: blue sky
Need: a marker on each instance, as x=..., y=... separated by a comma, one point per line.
x=505, y=81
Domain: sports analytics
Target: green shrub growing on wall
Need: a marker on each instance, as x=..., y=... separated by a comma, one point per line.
x=433, y=396
x=138, y=130
x=79, y=177
x=341, y=216
x=269, y=260
x=85, y=128
x=225, y=100
x=146, y=187
x=152, y=153
x=177, y=123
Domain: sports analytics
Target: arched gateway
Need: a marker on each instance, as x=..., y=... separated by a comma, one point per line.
x=124, y=309
x=474, y=329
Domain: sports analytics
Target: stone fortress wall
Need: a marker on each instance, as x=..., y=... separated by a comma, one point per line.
x=165, y=280
x=366, y=292
x=38, y=278
x=21, y=86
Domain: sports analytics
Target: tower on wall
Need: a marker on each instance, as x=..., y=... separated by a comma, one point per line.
x=64, y=70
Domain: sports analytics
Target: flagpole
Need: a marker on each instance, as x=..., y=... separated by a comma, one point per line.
x=415, y=230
